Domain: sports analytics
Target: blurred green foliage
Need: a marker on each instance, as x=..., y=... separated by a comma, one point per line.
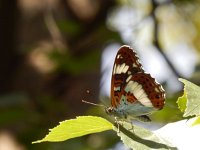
x=76, y=65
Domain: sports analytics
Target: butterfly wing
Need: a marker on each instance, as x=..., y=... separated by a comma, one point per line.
x=131, y=85
x=126, y=64
x=146, y=90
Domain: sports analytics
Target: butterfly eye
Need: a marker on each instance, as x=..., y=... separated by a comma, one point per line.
x=109, y=110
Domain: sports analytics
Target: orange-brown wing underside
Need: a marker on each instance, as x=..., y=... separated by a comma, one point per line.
x=125, y=58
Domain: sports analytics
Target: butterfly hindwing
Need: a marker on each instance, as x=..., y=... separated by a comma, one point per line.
x=146, y=90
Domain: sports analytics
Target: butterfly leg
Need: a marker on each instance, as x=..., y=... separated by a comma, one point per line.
x=132, y=127
x=116, y=121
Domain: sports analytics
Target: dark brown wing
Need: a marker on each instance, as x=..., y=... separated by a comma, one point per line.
x=151, y=94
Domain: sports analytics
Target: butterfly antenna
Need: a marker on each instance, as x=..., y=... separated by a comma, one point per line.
x=87, y=102
x=92, y=103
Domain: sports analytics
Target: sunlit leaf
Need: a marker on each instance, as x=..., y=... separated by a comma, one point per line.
x=167, y=113
x=182, y=102
x=196, y=122
x=192, y=93
x=76, y=127
x=139, y=138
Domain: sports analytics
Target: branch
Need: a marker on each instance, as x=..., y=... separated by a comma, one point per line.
x=156, y=38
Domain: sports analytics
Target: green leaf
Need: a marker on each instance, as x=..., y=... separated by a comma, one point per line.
x=192, y=93
x=80, y=126
x=196, y=122
x=182, y=102
x=140, y=138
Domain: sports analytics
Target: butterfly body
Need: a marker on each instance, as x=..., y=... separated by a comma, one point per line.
x=134, y=93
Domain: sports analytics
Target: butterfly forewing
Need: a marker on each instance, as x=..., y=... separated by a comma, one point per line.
x=126, y=64
x=131, y=82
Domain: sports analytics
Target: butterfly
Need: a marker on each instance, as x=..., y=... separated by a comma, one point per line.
x=134, y=93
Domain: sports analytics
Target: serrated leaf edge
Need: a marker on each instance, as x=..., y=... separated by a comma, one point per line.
x=78, y=117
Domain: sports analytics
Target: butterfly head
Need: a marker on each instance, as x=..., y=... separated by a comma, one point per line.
x=114, y=112
x=109, y=110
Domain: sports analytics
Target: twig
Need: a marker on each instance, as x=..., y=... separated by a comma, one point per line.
x=156, y=38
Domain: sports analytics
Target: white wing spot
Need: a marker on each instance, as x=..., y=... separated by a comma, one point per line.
x=125, y=69
x=134, y=66
x=114, y=70
x=156, y=89
x=161, y=88
x=117, y=88
x=139, y=93
x=146, y=102
x=133, y=86
x=129, y=77
x=121, y=68
x=118, y=56
x=138, y=88
x=143, y=95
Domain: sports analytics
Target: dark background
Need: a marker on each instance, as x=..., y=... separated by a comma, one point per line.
x=50, y=54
